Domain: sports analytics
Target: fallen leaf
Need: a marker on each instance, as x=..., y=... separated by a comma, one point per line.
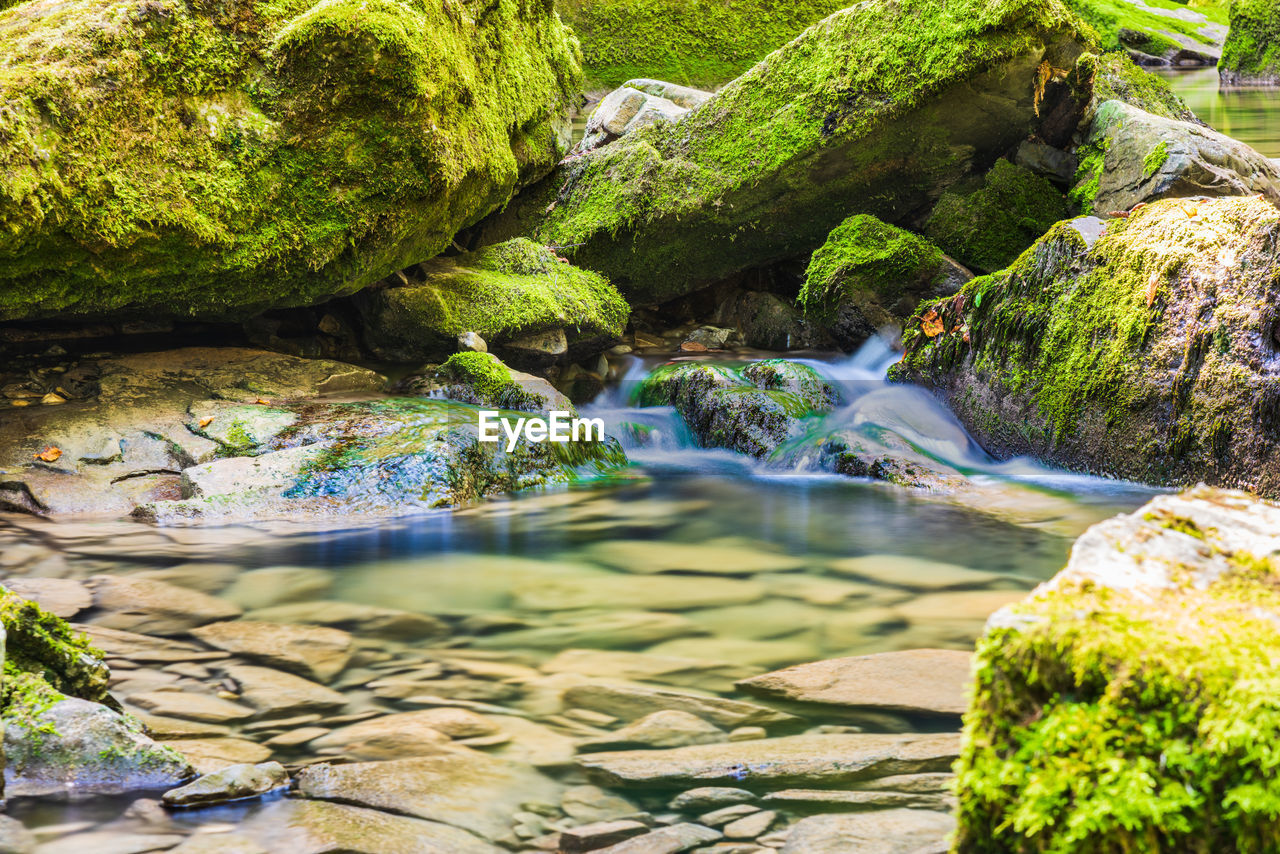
x=50, y=454
x=262, y=401
x=205, y=422
x=693, y=347
x=966, y=336
x=932, y=325
x=1190, y=210
x=1153, y=284
x=1120, y=214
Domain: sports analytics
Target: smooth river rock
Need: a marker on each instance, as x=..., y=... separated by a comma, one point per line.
x=928, y=681
x=230, y=784
x=315, y=652
x=154, y=607
x=792, y=761
x=320, y=827
x=632, y=701
x=897, y=831
x=274, y=692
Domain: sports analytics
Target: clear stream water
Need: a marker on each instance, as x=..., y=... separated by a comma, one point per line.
x=1250, y=114
x=766, y=564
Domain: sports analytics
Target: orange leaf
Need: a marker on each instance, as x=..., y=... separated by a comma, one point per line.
x=205, y=422
x=262, y=401
x=50, y=454
x=931, y=324
x=693, y=347
x=1153, y=284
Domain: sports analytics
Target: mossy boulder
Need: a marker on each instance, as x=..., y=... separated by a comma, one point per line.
x=873, y=110
x=1131, y=156
x=1130, y=703
x=988, y=228
x=503, y=292
x=44, y=659
x=184, y=159
x=684, y=41
x=1115, y=77
x=869, y=275
x=1143, y=348
x=482, y=379
x=1251, y=52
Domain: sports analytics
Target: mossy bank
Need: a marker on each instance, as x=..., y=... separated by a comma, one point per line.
x=177, y=158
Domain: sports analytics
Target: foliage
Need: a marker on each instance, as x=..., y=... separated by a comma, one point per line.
x=990, y=227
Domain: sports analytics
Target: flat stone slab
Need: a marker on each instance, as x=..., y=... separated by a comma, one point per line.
x=320, y=827
x=315, y=652
x=633, y=701
x=921, y=681
x=897, y=831
x=274, y=692
x=800, y=761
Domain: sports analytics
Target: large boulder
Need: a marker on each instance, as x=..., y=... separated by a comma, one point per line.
x=1143, y=348
x=1251, y=52
x=213, y=160
x=634, y=105
x=1132, y=156
x=1129, y=704
x=700, y=44
x=869, y=275
x=1114, y=77
x=505, y=293
x=873, y=110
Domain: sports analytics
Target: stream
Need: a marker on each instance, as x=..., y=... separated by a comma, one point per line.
x=691, y=569
x=1250, y=114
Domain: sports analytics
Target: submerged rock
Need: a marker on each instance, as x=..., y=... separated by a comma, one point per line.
x=892, y=831
x=1132, y=156
x=197, y=160
x=230, y=784
x=1251, y=52
x=1147, y=353
x=872, y=110
x=869, y=275
x=503, y=293
x=1131, y=698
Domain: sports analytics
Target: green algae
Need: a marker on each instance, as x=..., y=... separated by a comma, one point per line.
x=188, y=159
x=990, y=227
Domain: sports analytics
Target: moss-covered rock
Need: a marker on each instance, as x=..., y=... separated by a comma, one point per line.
x=1131, y=156
x=1115, y=77
x=1130, y=704
x=1144, y=348
x=868, y=275
x=1251, y=52
x=482, y=379
x=502, y=292
x=44, y=659
x=183, y=158
x=872, y=110
x=991, y=226
x=685, y=41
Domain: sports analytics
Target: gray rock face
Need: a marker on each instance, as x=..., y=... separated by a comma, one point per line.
x=229, y=784
x=75, y=743
x=928, y=681
x=1148, y=157
x=769, y=322
x=897, y=831
x=802, y=760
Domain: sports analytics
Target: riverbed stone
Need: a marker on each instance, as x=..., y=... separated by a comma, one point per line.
x=204, y=708
x=230, y=784
x=595, y=630
x=275, y=585
x=76, y=744
x=111, y=842
x=589, y=804
x=918, y=681
x=468, y=790
x=62, y=597
x=841, y=800
x=631, y=701
x=273, y=692
x=790, y=761
x=316, y=652
x=647, y=557
x=665, y=840
x=591, y=837
x=708, y=674
x=154, y=607
x=321, y=827
x=209, y=755
x=391, y=736
x=670, y=728
x=219, y=843
x=911, y=572
x=710, y=797
x=353, y=617
x=895, y=831
x=676, y=593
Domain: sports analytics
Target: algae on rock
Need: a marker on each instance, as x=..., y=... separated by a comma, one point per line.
x=1129, y=704
x=872, y=110
x=868, y=275
x=502, y=292
x=190, y=159
x=1142, y=348
x=1251, y=52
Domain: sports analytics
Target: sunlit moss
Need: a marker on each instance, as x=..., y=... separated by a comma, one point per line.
x=1251, y=52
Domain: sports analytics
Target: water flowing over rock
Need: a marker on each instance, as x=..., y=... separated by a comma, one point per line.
x=1146, y=352
x=1107, y=709
x=831, y=124
x=181, y=160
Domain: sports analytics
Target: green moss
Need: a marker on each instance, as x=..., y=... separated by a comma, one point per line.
x=1093, y=162
x=45, y=658
x=1115, y=77
x=1158, y=157
x=1117, y=720
x=501, y=292
x=872, y=265
x=1251, y=52
x=683, y=41
x=855, y=115
x=195, y=159
x=1108, y=17
x=990, y=227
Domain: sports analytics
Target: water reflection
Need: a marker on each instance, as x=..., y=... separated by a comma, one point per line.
x=1250, y=114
